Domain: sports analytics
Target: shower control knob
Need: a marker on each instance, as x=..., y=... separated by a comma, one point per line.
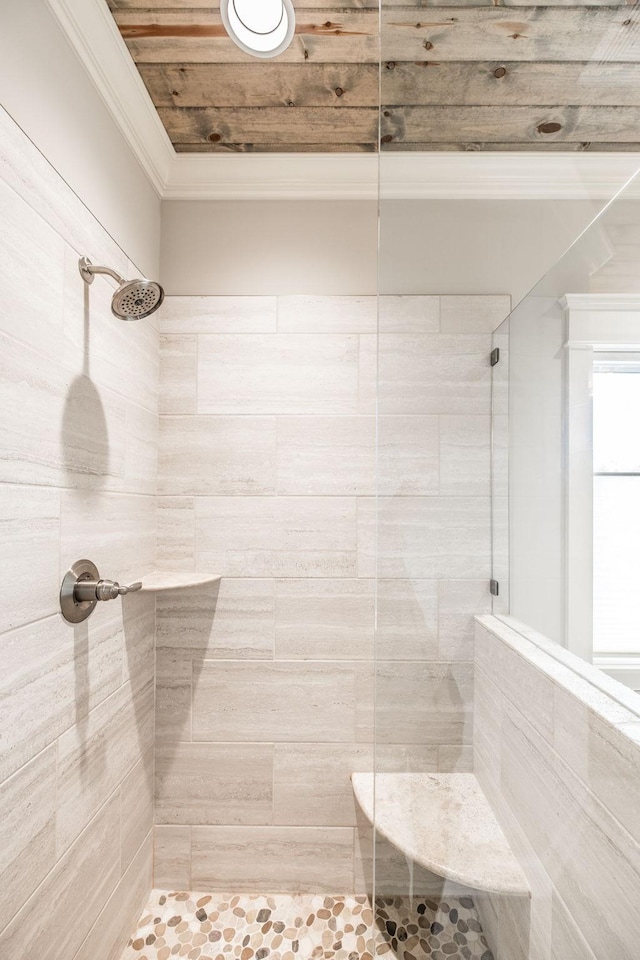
x=82, y=588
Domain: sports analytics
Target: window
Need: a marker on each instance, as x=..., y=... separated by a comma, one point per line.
x=616, y=504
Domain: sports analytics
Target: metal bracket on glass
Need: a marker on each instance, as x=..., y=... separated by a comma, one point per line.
x=494, y=588
x=82, y=588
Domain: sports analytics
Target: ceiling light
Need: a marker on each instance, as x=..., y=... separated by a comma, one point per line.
x=263, y=28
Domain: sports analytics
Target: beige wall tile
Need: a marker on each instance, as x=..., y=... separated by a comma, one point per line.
x=459, y=601
x=282, y=701
x=273, y=859
x=601, y=754
x=94, y=757
x=433, y=373
x=428, y=537
x=79, y=886
x=566, y=938
x=176, y=533
x=139, y=638
x=465, y=448
x=29, y=516
x=50, y=663
x=110, y=933
x=408, y=456
x=320, y=619
x=266, y=374
x=178, y=375
x=487, y=718
x=407, y=620
x=218, y=315
x=473, y=314
x=30, y=308
x=173, y=700
x=119, y=529
x=455, y=757
x=55, y=428
x=172, y=857
x=213, y=456
x=590, y=858
x=409, y=314
x=327, y=314
x=326, y=456
x=141, y=450
x=27, y=815
x=367, y=373
x=312, y=782
x=231, y=619
x=424, y=702
x=214, y=783
x=366, y=536
x=136, y=796
x=124, y=357
x=269, y=536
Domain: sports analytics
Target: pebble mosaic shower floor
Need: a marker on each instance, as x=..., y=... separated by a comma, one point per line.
x=202, y=926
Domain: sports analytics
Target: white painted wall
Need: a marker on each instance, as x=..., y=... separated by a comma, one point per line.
x=268, y=247
x=438, y=247
x=47, y=92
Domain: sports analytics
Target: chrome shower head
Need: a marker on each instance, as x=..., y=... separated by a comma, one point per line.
x=134, y=299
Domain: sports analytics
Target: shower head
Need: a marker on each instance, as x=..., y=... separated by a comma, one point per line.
x=134, y=299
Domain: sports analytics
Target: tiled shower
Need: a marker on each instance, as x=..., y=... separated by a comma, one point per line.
x=342, y=709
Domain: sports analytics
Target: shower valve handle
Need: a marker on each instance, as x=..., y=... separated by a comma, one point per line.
x=102, y=590
x=83, y=587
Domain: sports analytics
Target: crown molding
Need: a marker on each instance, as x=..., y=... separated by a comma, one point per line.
x=92, y=32
x=505, y=176
x=472, y=175
x=273, y=176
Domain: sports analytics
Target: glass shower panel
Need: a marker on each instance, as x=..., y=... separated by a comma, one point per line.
x=572, y=451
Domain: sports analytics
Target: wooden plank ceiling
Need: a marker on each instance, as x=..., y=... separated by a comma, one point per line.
x=486, y=75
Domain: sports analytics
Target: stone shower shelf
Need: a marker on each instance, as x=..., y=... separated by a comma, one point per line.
x=161, y=580
x=443, y=822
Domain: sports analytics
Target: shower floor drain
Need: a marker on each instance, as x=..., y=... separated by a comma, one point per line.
x=203, y=926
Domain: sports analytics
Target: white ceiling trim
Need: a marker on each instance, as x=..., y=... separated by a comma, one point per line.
x=472, y=175
x=92, y=32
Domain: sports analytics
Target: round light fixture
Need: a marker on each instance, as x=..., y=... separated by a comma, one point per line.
x=263, y=28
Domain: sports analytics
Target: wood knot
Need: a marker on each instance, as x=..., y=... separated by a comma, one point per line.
x=290, y=103
x=500, y=72
x=386, y=113
x=386, y=139
x=625, y=23
x=551, y=127
x=428, y=45
x=390, y=65
x=215, y=137
x=174, y=93
x=515, y=36
x=328, y=24
x=339, y=91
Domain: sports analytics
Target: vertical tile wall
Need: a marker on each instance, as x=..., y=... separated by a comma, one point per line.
x=557, y=750
x=267, y=476
x=78, y=435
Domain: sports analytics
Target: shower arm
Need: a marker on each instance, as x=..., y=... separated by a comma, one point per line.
x=88, y=272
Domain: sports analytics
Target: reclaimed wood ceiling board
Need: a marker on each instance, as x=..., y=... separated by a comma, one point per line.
x=487, y=75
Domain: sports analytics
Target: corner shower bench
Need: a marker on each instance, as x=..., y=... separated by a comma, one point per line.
x=443, y=822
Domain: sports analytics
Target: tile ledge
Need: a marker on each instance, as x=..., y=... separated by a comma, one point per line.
x=161, y=580
x=443, y=822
